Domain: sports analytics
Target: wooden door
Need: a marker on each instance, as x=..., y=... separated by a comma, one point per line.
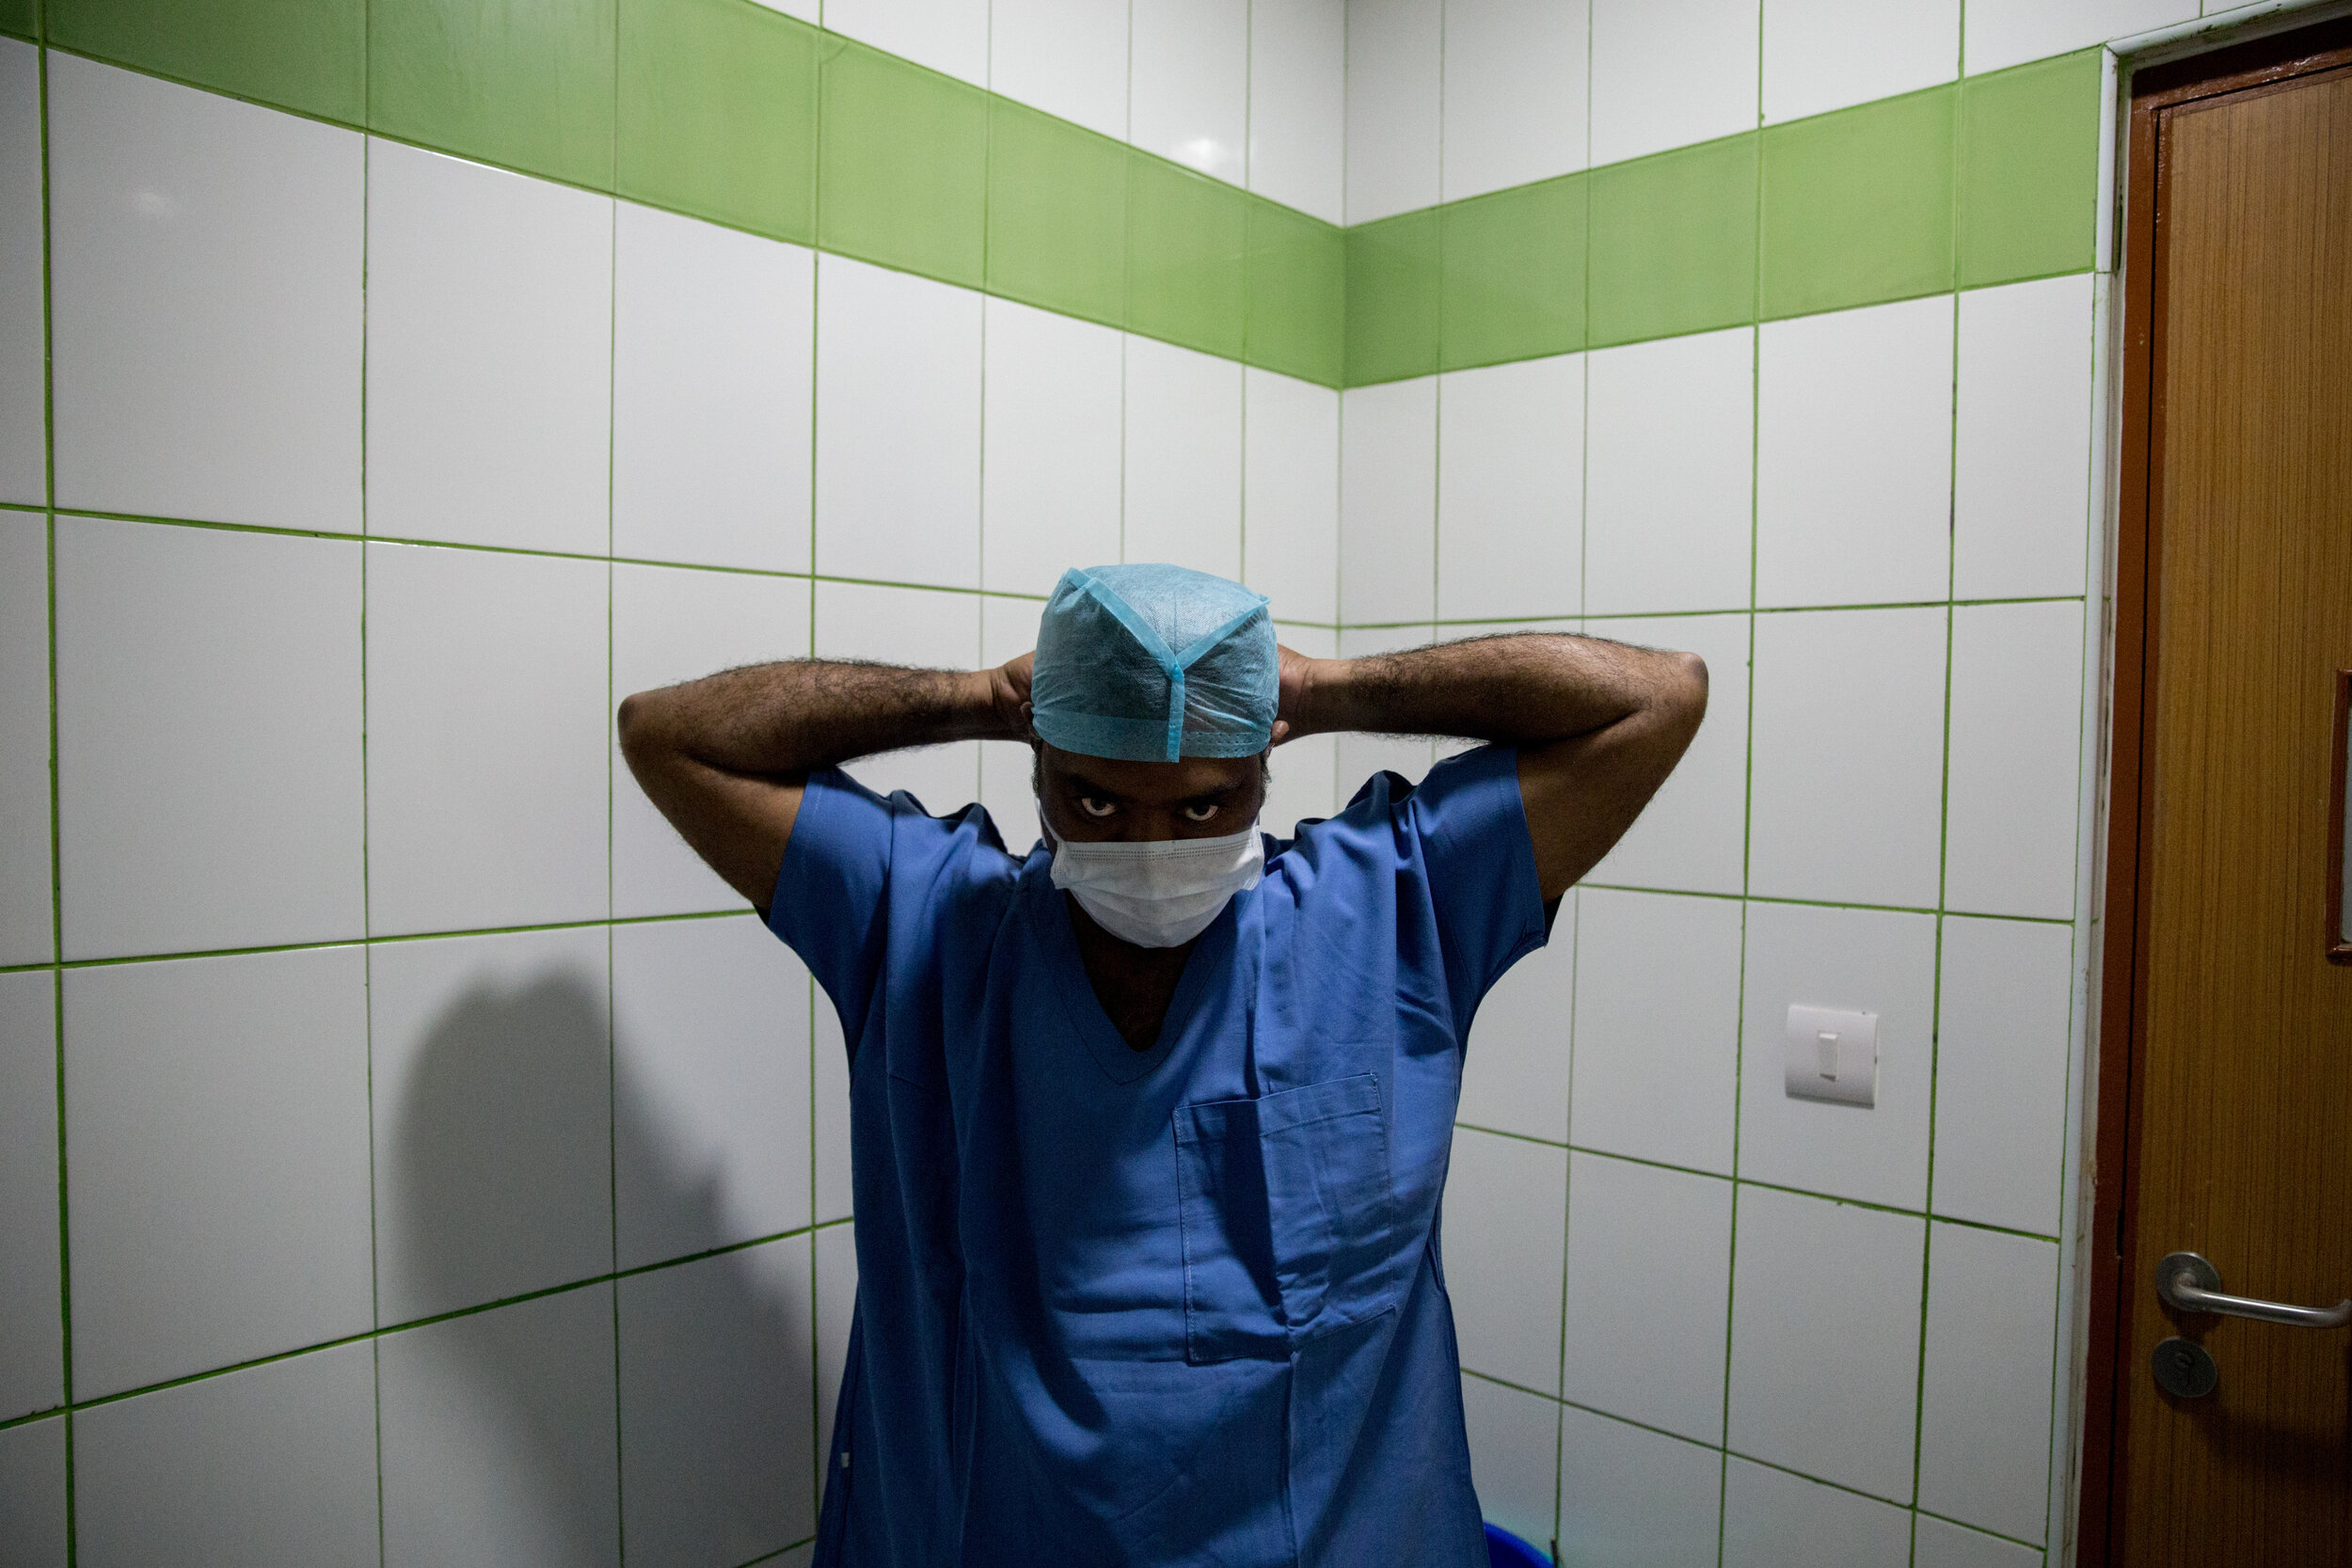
x=2227, y=1000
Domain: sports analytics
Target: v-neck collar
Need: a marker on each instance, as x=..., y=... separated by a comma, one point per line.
x=1211, y=953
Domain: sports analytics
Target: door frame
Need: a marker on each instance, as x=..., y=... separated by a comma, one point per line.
x=2119, y=987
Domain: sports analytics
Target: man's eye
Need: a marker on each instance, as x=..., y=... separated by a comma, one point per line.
x=1095, y=806
x=1201, y=814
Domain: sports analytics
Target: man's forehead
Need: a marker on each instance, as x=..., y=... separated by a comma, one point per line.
x=1181, y=780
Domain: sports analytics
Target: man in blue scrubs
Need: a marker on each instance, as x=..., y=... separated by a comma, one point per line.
x=1149, y=1125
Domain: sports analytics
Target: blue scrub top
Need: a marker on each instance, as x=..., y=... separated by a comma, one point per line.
x=1175, y=1306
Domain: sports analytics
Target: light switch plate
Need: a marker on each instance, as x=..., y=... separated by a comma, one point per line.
x=1833, y=1055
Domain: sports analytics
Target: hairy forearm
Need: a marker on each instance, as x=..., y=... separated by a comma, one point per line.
x=1521, y=689
x=784, y=721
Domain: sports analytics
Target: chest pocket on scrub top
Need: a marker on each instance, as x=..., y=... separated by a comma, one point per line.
x=1287, y=1216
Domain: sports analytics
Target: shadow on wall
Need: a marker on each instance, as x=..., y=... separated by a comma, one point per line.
x=500, y=1426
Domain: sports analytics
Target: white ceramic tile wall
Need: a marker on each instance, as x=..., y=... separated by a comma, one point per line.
x=674, y=625
x=2000, y=1072
x=1184, y=457
x=917, y=476
x=27, y=912
x=208, y=739
x=1291, y=495
x=1772, y=1519
x=1630, y=1497
x=32, y=1364
x=1846, y=771
x=1511, y=491
x=1666, y=75
x=1693, y=834
x=23, y=390
x=32, y=1491
x=1825, y=1339
x=2020, y=469
x=1984, y=1423
x=2016, y=747
x=1514, y=92
x=711, y=388
x=904, y=625
x=1068, y=57
x=1394, y=89
x=1299, y=104
x=897, y=426
x=273, y=1465
x=1515, y=1071
x=1189, y=86
x=716, y=1407
x=2010, y=32
x=1388, y=502
x=1824, y=55
x=1940, y=1543
x=493, y=1112
x=490, y=311
x=709, y=1088
x=1052, y=461
x=1669, y=480
x=1504, y=1210
x=1853, y=455
x=216, y=1124
x=205, y=328
x=836, y=1304
x=1648, y=1283
x=497, y=1436
x=1657, y=1027
x=949, y=35
x=1874, y=962
x=1515, y=1449
x=829, y=1115
x=486, y=799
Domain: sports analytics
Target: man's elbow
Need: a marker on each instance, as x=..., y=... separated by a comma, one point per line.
x=635, y=723
x=1683, y=692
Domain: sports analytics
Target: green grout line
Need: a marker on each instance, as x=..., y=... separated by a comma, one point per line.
x=70, y=964
x=56, y=836
x=1816, y=1194
x=385, y=1331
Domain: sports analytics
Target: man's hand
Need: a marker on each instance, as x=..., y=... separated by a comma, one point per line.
x=1297, y=671
x=1009, y=688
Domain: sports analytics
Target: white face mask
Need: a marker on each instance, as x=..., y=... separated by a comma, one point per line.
x=1161, y=894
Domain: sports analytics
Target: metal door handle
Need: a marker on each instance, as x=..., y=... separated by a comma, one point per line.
x=2189, y=1283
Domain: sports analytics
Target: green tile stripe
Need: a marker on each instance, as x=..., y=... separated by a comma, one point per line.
x=1993, y=179
x=727, y=111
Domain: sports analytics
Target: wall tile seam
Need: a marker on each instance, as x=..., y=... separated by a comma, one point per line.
x=610, y=192
x=1734, y=1452
x=776, y=573
x=1507, y=621
x=408, y=1325
x=1930, y=1214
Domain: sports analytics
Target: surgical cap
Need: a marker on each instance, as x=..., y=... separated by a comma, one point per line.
x=1151, y=663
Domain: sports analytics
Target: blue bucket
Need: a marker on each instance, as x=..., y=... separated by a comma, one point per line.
x=1506, y=1550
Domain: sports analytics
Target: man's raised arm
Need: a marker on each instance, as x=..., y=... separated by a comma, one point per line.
x=724, y=757
x=1598, y=724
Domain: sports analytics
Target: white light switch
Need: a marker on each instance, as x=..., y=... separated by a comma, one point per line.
x=1833, y=1055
